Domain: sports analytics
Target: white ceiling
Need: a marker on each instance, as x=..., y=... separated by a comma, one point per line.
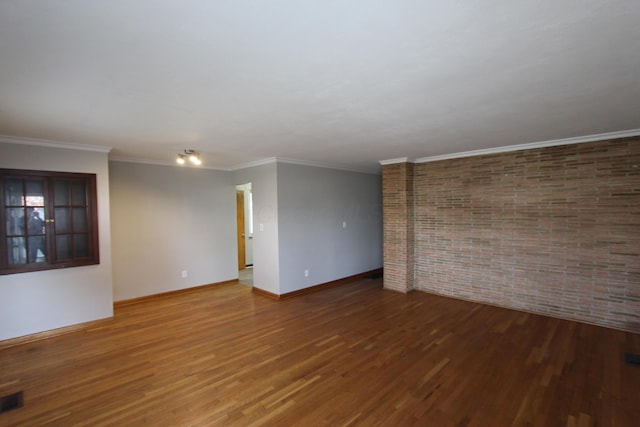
x=337, y=82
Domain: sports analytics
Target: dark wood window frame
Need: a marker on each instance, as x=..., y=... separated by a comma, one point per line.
x=72, y=241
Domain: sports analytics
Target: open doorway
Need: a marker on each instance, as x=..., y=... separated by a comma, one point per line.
x=244, y=215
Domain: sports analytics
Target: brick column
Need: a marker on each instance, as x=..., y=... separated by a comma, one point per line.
x=398, y=219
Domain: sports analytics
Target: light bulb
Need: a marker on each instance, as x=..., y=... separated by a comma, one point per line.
x=195, y=159
x=180, y=160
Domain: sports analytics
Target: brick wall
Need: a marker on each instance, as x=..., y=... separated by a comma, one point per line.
x=398, y=219
x=553, y=230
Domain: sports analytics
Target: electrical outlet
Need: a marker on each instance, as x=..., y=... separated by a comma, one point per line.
x=344, y=224
x=306, y=273
x=184, y=274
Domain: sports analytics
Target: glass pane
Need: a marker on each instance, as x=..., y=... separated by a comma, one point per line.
x=81, y=245
x=35, y=192
x=35, y=223
x=63, y=220
x=16, y=251
x=13, y=192
x=80, y=219
x=79, y=193
x=37, y=250
x=63, y=246
x=15, y=221
x=61, y=192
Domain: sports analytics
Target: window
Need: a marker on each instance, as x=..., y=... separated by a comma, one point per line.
x=50, y=220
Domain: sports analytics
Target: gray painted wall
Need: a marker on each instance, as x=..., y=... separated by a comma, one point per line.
x=44, y=300
x=160, y=220
x=313, y=204
x=167, y=219
x=302, y=209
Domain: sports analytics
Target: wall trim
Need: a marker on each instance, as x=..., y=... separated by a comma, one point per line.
x=253, y=164
x=373, y=171
x=532, y=145
x=398, y=291
x=276, y=160
x=26, y=339
x=53, y=144
x=316, y=288
x=115, y=158
x=137, y=300
x=264, y=293
x=396, y=161
x=523, y=310
x=86, y=326
x=162, y=163
x=262, y=162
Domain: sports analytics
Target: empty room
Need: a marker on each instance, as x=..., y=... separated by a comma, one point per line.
x=319, y=213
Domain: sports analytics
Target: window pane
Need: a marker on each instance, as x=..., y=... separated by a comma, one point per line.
x=13, y=192
x=79, y=193
x=35, y=192
x=15, y=221
x=37, y=252
x=65, y=238
x=63, y=246
x=61, y=192
x=80, y=220
x=81, y=245
x=35, y=222
x=63, y=220
x=16, y=250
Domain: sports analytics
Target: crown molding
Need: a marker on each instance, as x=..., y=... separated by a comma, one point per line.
x=532, y=145
x=375, y=171
x=161, y=163
x=276, y=160
x=253, y=164
x=53, y=144
x=267, y=161
x=396, y=161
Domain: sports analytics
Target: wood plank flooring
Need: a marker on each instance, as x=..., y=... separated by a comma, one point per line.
x=350, y=355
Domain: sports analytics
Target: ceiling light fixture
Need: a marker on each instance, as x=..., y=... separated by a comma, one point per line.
x=192, y=155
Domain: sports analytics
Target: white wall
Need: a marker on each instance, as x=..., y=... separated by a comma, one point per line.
x=166, y=219
x=313, y=203
x=45, y=300
x=264, y=181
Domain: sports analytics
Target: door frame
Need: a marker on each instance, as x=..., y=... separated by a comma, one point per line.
x=240, y=232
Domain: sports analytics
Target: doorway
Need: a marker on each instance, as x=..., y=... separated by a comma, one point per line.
x=244, y=217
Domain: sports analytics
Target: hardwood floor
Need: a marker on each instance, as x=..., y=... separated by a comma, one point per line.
x=350, y=355
x=245, y=276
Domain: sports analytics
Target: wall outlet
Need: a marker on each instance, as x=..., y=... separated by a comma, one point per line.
x=344, y=224
x=261, y=227
x=306, y=273
x=184, y=274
